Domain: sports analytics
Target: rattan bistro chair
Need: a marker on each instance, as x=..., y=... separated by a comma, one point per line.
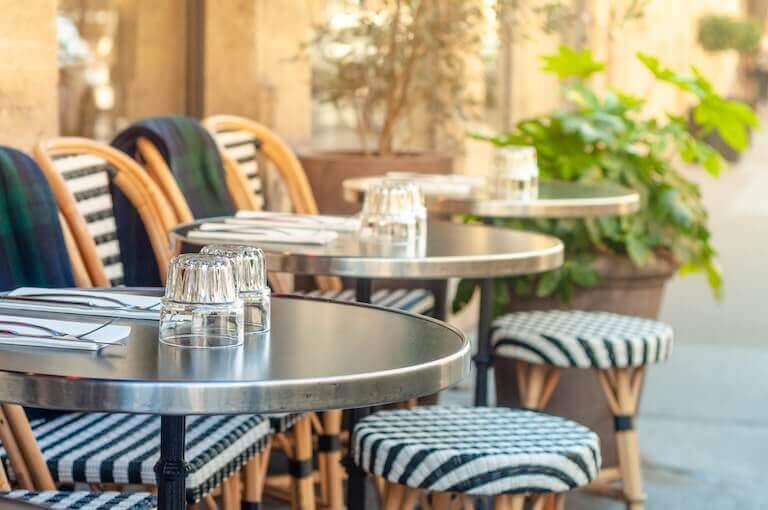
x=616, y=347
x=80, y=172
x=442, y=457
x=77, y=500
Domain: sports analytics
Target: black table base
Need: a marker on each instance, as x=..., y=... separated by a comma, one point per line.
x=171, y=469
x=483, y=358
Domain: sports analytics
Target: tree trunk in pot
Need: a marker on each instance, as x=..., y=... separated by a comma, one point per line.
x=624, y=289
x=327, y=170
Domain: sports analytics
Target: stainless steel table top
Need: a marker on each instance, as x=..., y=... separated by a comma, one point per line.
x=556, y=199
x=319, y=355
x=450, y=250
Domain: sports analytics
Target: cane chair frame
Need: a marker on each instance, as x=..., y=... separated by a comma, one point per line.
x=279, y=153
x=140, y=190
x=161, y=174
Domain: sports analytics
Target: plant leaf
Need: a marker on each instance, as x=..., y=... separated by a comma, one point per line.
x=570, y=63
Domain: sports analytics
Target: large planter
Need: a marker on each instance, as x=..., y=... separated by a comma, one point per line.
x=623, y=289
x=327, y=170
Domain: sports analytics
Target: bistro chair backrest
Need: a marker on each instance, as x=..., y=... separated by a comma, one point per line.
x=83, y=175
x=182, y=158
x=34, y=242
x=242, y=142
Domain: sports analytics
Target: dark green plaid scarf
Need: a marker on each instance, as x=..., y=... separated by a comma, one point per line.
x=192, y=156
x=32, y=251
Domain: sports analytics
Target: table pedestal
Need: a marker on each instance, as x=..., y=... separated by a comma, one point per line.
x=483, y=358
x=171, y=468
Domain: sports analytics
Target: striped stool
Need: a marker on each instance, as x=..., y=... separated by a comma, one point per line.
x=122, y=449
x=84, y=500
x=617, y=347
x=448, y=454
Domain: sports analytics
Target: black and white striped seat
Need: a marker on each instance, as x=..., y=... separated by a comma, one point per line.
x=582, y=339
x=84, y=500
x=87, y=178
x=281, y=422
x=409, y=300
x=243, y=147
x=124, y=448
x=477, y=450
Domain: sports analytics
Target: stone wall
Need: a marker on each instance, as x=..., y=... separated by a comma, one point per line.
x=28, y=72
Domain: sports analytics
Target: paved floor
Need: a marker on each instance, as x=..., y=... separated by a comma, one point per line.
x=704, y=420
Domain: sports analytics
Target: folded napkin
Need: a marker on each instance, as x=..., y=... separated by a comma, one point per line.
x=289, y=220
x=240, y=232
x=16, y=330
x=98, y=304
x=441, y=184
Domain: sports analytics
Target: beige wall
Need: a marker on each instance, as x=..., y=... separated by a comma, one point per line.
x=28, y=72
x=668, y=31
x=151, y=67
x=251, y=64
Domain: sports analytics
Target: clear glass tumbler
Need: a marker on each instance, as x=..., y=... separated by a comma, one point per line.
x=251, y=275
x=516, y=173
x=394, y=210
x=201, y=306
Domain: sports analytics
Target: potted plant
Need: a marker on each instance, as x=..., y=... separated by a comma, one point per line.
x=397, y=64
x=618, y=264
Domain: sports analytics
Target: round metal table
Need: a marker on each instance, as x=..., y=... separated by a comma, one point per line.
x=318, y=355
x=557, y=199
x=449, y=250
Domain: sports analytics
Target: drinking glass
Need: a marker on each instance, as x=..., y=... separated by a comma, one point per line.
x=516, y=173
x=201, y=306
x=251, y=276
x=394, y=210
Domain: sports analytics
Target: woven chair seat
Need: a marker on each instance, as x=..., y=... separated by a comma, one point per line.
x=281, y=422
x=124, y=448
x=84, y=500
x=582, y=339
x=420, y=301
x=477, y=450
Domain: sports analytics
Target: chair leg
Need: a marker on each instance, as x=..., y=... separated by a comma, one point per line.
x=253, y=482
x=302, y=481
x=13, y=452
x=329, y=460
x=441, y=501
x=622, y=389
x=393, y=500
x=210, y=503
x=536, y=383
x=509, y=502
x=230, y=492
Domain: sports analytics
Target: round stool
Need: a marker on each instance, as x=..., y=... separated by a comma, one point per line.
x=618, y=347
x=440, y=456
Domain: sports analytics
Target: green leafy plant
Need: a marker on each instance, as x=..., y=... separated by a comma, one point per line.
x=722, y=33
x=603, y=138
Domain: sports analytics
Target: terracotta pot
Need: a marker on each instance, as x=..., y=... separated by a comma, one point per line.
x=327, y=170
x=624, y=289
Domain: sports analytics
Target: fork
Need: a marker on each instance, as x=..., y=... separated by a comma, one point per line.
x=53, y=334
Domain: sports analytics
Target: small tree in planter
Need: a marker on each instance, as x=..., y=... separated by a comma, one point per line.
x=606, y=139
x=384, y=63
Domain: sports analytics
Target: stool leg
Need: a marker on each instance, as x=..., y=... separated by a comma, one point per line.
x=230, y=493
x=441, y=500
x=536, y=383
x=509, y=502
x=254, y=476
x=622, y=389
x=331, y=472
x=393, y=500
x=302, y=483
